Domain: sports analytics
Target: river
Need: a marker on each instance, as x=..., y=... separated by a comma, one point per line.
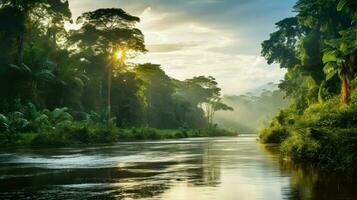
x=185, y=169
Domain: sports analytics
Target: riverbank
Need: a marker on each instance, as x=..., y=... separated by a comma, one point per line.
x=79, y=134
x=324, y=134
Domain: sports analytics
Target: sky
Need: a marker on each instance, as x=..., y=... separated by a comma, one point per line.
x=220, y=38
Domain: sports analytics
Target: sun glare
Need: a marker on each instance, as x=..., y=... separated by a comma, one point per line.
x=119, y=55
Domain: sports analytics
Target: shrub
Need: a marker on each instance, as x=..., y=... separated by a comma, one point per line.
x=182, y=133
x=80, y=133
x=50, y=139
x=145, y=133
x=325, y=133
x=275, y=133
x=300, y=146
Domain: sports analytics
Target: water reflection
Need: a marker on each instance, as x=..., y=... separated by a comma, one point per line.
x=312, y=182
x=200, y=169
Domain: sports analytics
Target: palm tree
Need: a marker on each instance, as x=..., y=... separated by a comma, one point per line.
x=340, y=59
x=34, y=76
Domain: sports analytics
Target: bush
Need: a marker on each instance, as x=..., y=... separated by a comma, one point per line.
x=275, y=133
x=325, y=134
x=182, y=133
x=300, y=146
x=50, y=139
x=79, y=133
x=215, y=132
x=145, y=133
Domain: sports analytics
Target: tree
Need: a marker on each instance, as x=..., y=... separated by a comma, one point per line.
x=104, y=31
x=281, y=47
x=158, y=90
x=300, y=44
x=27, y=67
x=210, y=98
x=23, y=12
x=340, y=59
x=103, y=34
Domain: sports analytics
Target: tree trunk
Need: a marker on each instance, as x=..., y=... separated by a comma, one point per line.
x=345, y=93
x=109, y=93
x=20, y=49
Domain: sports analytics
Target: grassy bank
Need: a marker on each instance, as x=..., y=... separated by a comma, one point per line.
x=325, y=134
x=79, y=134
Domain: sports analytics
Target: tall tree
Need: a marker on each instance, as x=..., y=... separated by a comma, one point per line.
x=301, y=43
x=24, y=36
x=103, y=33
x=210, y=96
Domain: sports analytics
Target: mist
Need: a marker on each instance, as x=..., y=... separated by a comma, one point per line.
x=252, y=110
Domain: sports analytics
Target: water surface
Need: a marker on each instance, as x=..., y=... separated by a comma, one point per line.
x=199, y=169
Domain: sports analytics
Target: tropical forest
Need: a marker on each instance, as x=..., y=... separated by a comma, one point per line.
x=194, y=99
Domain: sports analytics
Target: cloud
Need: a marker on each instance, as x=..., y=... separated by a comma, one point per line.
x=203, y=50
x=235, y=74
x=206, y=37
x=159, y=28
x=162, y=48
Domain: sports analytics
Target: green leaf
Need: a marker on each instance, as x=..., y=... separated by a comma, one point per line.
x=341, y=5
x=78, y=82
x=18, y=114
x=84, y=77
x=350, y=50
x=25, y=68
x=329, y=56
x=15, y=67
x=4, y=123
x=3, y=119
x=61, y=114
x=22, y=123
x=22, y=68
x=45, y=75
x=330, y=69
x=330, y=75
x=42, y=119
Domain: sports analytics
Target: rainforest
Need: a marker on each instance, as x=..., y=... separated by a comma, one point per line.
x=176, y=100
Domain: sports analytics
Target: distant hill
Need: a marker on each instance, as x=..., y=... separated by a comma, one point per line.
x=266, y=87
x=251, y=109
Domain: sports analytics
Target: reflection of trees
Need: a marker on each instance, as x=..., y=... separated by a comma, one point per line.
x=312, y=182
x=134, y=181
x=208, y=172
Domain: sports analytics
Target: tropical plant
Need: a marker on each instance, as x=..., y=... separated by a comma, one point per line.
x=100, y=118
x=37, y=119
x=340, y=59
x=59, y=117
x=13, y=124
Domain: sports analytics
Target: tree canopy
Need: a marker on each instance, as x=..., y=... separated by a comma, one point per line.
x=51, y=67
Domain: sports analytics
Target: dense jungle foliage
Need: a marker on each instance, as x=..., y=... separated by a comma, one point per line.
x=56, y=80
x=318, y=47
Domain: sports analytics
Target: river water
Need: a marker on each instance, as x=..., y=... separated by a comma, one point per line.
x=185, y=169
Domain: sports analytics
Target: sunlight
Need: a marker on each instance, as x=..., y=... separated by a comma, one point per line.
x=118, y=55
x=174, y=100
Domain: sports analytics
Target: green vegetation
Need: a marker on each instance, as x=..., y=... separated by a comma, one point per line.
x=318, y=48
x=57, y=128
x=67, y=74
x=81, y=134
x=325, y=132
